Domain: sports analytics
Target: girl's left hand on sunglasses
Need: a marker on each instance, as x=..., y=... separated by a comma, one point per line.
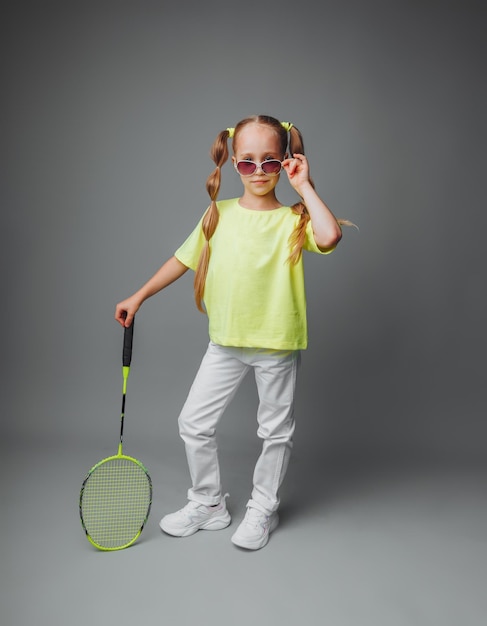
x=297, y=170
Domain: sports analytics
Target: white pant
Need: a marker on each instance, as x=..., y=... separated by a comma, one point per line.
x=219, y=376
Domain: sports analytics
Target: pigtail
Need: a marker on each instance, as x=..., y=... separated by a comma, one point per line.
x=219, y=154
x=298, y=236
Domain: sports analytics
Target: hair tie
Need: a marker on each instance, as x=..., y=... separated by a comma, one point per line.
x=231, y=132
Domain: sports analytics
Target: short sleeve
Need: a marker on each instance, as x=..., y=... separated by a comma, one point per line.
x=189, y=252
x=310, y=243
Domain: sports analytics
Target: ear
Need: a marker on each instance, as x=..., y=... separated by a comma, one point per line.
x=234, y=160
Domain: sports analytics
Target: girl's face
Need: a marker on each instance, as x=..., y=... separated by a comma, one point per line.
x=257, y=142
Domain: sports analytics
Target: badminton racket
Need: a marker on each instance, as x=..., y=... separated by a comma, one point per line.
x=116, y=495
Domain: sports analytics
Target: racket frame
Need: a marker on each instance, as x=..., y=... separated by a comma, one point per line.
x=115, y=457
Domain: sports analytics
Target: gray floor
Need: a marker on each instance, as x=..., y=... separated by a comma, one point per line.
x=360, y=547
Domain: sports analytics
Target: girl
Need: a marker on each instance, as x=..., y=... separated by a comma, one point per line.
x=247, y=257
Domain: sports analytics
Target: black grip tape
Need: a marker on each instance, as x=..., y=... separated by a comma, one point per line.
x=127, y=344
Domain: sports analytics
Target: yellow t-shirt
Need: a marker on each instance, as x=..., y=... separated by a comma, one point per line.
x=254, y=296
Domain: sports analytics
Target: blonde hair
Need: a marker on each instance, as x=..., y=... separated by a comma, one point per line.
x=290, y=141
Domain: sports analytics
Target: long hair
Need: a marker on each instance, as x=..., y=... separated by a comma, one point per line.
x=291, y=142
x=219, y=154
x=298, y=236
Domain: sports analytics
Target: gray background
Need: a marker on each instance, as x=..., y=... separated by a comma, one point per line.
x=109, y=111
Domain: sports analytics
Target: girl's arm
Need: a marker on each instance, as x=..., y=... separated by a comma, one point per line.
x=167, y=274
x=326, y=229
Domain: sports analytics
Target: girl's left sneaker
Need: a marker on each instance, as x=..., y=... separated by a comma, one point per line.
x=253, y=532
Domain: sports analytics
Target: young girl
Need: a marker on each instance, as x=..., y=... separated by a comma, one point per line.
x=247, y=257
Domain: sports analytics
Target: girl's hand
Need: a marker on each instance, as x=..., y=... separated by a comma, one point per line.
x=297, y=170
x=126, y=310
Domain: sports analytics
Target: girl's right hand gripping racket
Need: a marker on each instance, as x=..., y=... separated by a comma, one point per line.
x=116, y=495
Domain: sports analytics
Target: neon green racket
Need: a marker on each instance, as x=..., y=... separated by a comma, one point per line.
x=116, y=495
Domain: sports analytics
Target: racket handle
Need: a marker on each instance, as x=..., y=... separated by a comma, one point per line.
x=127, y=344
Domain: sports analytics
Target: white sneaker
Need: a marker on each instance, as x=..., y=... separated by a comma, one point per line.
x=253, y=532
x=195, y=516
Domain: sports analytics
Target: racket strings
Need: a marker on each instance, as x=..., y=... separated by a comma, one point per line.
x=115, y=502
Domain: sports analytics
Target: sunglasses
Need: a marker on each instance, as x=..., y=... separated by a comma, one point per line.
x=272, y=167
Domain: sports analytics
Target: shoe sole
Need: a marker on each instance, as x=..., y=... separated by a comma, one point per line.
x=217, y=523
x=256, y=545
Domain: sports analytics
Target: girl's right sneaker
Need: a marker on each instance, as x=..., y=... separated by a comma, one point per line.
x=195, y=516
